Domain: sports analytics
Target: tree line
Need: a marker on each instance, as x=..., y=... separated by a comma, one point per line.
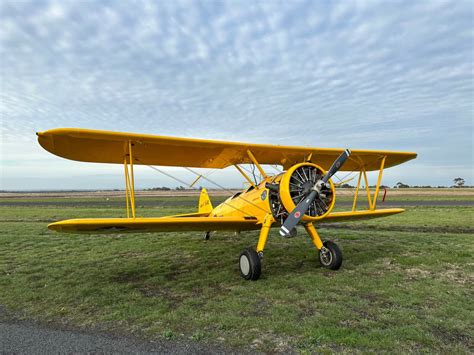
x=457, y=183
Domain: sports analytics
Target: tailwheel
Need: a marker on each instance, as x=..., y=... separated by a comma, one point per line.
x=330, y=256
x=249, y=264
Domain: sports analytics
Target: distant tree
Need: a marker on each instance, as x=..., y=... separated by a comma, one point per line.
x=459, y=182
x=180, y=188
x=347, y=186
x=401, y=185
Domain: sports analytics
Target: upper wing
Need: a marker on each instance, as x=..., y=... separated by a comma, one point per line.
x=161, y=224
x=110, y=147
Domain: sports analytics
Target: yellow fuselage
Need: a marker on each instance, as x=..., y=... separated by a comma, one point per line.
x=253, y=202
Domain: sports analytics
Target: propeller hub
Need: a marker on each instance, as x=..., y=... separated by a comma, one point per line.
x=307, y=187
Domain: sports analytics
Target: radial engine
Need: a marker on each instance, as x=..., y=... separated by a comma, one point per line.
x=289, y=188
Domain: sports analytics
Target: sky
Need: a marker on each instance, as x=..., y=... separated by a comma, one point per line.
x=357, y=74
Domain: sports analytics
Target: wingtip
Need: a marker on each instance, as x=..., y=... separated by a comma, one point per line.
x=54, y=226
x=45, y=141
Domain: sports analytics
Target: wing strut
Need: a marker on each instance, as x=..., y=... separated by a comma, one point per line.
x=244, y=175
x=254, y=160
x=129, y=180
x=372, y=200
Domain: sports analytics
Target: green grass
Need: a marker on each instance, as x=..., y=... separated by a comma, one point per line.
x=407, y=288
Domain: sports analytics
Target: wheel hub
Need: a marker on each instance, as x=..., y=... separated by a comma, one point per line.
x=244, y=265
x=325, y=256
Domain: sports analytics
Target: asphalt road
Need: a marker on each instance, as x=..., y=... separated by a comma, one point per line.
x=22, y=337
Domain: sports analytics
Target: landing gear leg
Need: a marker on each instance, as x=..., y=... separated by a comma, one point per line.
x=330, y=255
x=262, y=239
x=250, y=259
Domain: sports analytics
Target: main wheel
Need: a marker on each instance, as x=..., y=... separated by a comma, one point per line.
x=330, y=256
x=249, y=264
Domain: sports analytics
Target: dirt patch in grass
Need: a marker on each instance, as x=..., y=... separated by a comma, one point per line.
x=174, y=299
x=453, y=336
x=451, y=273
x=455, y=273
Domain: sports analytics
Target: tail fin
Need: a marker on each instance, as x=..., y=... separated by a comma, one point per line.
x=205, y=205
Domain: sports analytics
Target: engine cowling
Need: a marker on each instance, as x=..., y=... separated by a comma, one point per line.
x=294, y=185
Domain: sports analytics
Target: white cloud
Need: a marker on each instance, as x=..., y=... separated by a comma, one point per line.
x=394, y=75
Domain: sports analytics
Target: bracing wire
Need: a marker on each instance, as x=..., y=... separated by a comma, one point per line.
x=253, y=174
x=183, y=182
x=226, y=189
x=212, y=182
x=171, y=176
x=345, y=176
x=276, y=169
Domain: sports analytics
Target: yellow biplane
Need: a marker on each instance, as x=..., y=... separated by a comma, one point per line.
x=302, y=194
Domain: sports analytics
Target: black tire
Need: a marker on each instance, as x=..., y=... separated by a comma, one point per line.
x=332, y=259
x=249, y=264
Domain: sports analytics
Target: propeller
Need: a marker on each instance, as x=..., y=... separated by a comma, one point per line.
x=302, y=207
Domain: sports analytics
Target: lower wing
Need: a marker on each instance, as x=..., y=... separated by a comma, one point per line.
x=161, y=224
x=192, y=222
x=359, y=215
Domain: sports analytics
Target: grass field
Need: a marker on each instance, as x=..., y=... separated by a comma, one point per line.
x=406, y=284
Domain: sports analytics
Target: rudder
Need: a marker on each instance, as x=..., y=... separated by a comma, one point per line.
x=205, y=205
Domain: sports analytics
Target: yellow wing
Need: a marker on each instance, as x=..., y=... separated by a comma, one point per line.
x=359, y=215
x=110, y=147
x=162, y=224
x=191, y=222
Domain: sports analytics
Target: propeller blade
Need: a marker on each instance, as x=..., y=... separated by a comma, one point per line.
x=297, y=213
x=300, y=210
x=337, y=165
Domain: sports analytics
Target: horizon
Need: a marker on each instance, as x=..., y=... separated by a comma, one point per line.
x=355, y=74
x=235, y=188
